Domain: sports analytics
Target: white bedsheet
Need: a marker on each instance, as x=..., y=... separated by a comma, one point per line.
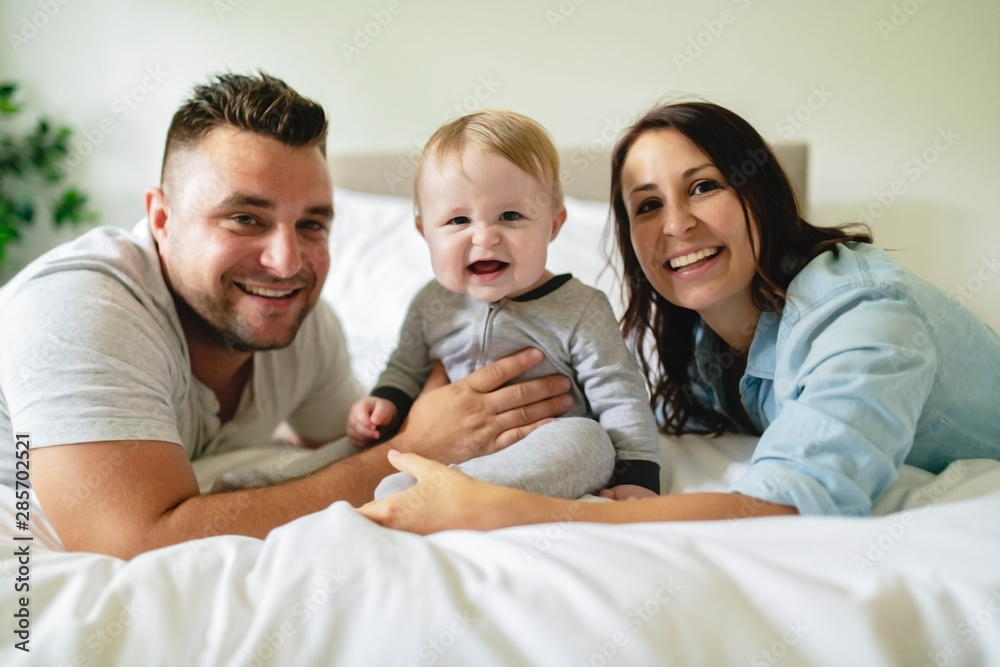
x=918, y=585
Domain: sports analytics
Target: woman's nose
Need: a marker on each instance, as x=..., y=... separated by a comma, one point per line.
x=677, y=219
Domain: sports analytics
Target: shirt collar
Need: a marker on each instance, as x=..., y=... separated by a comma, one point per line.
x=763, y=348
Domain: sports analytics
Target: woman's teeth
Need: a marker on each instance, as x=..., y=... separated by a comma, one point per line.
x=685, y=260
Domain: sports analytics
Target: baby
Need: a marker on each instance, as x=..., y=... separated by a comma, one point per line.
x=489, y=201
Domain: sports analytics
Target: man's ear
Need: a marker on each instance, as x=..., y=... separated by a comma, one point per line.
x=420, y=224
x=557, y=222
x=157, y=213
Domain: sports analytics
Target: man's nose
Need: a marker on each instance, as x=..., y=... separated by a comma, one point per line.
x=282, y=253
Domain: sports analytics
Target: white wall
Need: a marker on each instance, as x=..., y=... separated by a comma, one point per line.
x=888, y=80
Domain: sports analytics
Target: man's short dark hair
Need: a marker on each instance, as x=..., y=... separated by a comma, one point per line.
x=258, y=103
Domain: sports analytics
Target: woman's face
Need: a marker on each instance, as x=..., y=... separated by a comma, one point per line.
x=687, y=226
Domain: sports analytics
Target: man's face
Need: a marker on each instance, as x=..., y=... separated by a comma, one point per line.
x=243, y=232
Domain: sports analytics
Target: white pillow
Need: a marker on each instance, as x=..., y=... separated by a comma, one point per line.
x=379, y=261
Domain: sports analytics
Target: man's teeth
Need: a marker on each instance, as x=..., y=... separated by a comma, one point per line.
x=260, y=291
x=691, y=258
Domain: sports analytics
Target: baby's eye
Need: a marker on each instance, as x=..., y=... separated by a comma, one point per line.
x=510, y=216
x=704, y=187
x=460, y=220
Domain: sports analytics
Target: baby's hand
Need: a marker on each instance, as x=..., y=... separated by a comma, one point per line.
x=367, y=418
x=627, y=492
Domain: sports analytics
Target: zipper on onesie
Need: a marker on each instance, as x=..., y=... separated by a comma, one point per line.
x=491, y=313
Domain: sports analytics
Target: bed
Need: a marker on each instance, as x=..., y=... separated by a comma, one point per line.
x=917, y=584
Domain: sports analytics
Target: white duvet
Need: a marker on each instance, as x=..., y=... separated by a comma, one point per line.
x=918, y=585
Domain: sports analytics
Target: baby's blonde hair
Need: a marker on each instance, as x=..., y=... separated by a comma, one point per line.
x=508, y=134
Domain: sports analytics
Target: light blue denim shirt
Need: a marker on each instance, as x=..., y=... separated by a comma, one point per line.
x=867, y=367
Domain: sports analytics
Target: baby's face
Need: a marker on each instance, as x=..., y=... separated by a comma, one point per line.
x=488, y=229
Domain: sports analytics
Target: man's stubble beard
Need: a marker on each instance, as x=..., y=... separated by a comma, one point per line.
x=234, y=336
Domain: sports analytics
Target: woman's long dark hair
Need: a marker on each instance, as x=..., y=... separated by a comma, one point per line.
x=769, y=202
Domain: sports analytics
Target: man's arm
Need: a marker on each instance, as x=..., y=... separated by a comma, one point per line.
x=146, y=495
x=149, y=497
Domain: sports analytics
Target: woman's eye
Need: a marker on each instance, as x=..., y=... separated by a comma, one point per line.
x=647, y=206
x=510, y=216
x=703, y=187
x=460, y=220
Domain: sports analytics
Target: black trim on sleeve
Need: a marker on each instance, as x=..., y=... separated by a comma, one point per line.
x=636, y=471
x=401, y=400
x=551, y=286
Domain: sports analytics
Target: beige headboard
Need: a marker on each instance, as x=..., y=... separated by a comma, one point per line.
x=585, y=175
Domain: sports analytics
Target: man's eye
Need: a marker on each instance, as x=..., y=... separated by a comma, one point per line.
x=313, y=226
x=510, y=216
x=460, y=220
x=244, y=219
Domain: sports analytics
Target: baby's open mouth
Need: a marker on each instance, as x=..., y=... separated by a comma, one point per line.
x=487, y=267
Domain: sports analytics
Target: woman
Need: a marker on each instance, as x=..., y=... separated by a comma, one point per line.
x=843, y=362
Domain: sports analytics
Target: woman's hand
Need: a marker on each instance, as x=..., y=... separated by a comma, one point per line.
x=478, y=415
x=442, y=499
x=445, y=499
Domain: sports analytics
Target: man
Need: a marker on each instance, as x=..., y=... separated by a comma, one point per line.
x=126, y=355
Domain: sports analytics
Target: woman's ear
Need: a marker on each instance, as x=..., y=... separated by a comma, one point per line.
x=420, y=224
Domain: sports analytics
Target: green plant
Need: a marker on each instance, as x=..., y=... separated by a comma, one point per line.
x=30, y=172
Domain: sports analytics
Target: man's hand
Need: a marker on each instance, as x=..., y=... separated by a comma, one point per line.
x=478, y=415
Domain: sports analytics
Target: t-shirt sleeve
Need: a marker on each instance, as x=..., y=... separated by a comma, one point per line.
x=321, y=415
x=850, y=385
x=616, y=392
x=76, y=370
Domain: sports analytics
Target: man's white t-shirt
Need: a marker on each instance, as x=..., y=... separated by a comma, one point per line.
x=91, y=350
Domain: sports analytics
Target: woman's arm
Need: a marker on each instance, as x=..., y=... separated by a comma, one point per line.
x=445, y=499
